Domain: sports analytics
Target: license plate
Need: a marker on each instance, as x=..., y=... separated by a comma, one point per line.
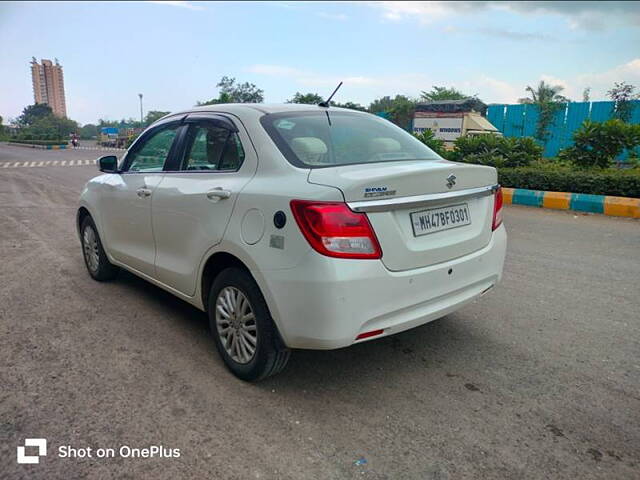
x=438, y=219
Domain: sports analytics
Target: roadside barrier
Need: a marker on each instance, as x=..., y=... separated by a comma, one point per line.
x=580, y=202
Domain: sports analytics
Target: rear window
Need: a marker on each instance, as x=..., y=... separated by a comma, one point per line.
x=334, y=138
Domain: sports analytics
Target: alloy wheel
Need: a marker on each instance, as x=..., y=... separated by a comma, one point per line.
x=90, y=247
x=236, y=325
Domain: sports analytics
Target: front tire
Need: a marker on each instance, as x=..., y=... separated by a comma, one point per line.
x=95, y=258
x=242, y=327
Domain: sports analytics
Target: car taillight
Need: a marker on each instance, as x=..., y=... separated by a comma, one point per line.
x=497, y=209
x=332, y=229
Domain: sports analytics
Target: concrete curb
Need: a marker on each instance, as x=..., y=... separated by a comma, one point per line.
x=581, y=202
x=42, y=147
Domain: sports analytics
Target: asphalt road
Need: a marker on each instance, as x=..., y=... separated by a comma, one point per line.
x=538, y=379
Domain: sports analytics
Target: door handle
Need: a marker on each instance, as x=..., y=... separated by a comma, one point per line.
x=218, y=193
x=143, y=192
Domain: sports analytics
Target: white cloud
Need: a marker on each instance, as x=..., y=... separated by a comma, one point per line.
x=493, y=90
x=307, y=78
x=551, y=80
x=363, y=88
x=586, y=15
x=602, y=81
x=177, y=3
x=424, y=12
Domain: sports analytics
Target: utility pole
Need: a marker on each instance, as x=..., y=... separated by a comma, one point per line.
x=141, y=117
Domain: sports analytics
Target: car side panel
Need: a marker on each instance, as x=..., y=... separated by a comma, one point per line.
x=186, y=222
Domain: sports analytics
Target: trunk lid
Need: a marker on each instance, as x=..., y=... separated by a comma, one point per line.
x=390, y=192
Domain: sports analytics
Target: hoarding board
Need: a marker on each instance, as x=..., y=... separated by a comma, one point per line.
x=444, y=128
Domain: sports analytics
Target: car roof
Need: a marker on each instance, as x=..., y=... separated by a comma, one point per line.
x=265, y=108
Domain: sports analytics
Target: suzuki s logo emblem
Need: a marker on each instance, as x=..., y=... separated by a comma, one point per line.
x=451, y=180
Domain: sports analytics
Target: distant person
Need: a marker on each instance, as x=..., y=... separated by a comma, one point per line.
x=74, y=141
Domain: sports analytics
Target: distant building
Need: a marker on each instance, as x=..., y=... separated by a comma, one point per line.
x=451, y=119
x=48, y=85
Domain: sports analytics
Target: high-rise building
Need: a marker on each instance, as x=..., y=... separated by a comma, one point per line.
x=48, y=85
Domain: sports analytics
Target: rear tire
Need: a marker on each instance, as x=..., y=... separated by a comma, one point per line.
x=95, y=258
x=242, y=327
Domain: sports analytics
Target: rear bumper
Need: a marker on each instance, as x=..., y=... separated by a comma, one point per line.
x=325, y=303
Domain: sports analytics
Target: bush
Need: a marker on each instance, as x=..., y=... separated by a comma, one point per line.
x=598, y=144
x=558, y=178
x=429, y=139
x=130, y=140
x=496, y=151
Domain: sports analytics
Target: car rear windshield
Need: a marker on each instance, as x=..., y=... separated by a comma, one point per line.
x=334, y=138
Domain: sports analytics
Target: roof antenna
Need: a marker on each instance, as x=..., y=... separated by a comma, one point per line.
x=325, y=104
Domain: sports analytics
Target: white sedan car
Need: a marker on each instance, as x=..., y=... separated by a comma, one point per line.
x=294, y=226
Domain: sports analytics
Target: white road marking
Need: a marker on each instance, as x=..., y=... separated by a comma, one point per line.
x=47, y=163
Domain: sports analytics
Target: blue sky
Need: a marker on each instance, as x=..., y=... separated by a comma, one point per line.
x=175, y=52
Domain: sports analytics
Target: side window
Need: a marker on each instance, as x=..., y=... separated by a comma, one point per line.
x=211, y=147
x=151, y=155
x=233, y=153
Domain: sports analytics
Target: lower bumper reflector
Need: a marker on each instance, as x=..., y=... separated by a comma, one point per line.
x=372, y=333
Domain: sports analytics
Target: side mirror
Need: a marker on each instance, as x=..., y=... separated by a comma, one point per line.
x=108, y=164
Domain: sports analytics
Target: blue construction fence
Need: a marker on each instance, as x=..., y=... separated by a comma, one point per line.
x=520, y=120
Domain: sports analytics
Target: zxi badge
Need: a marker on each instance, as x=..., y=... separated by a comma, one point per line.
x=451, y=180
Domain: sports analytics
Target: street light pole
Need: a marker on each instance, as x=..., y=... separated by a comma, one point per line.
x=141, y=117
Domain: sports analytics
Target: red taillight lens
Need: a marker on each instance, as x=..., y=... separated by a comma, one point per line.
x=332, y=229
x=497, y=209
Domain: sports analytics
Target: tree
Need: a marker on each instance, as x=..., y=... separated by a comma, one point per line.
x=622, y=95
x=153, y=115
x=442, y=93
x=232, y=92
x=586, y=93
x=402, y=111
x=398, y=109
x=88, y=131
x=545, y=93
x=103, y=122
x=549, y=101
x=379, y=105
x=34, y=112
x=306, y=98
x=38, y=122
x=49, y=128
x=350, y=105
